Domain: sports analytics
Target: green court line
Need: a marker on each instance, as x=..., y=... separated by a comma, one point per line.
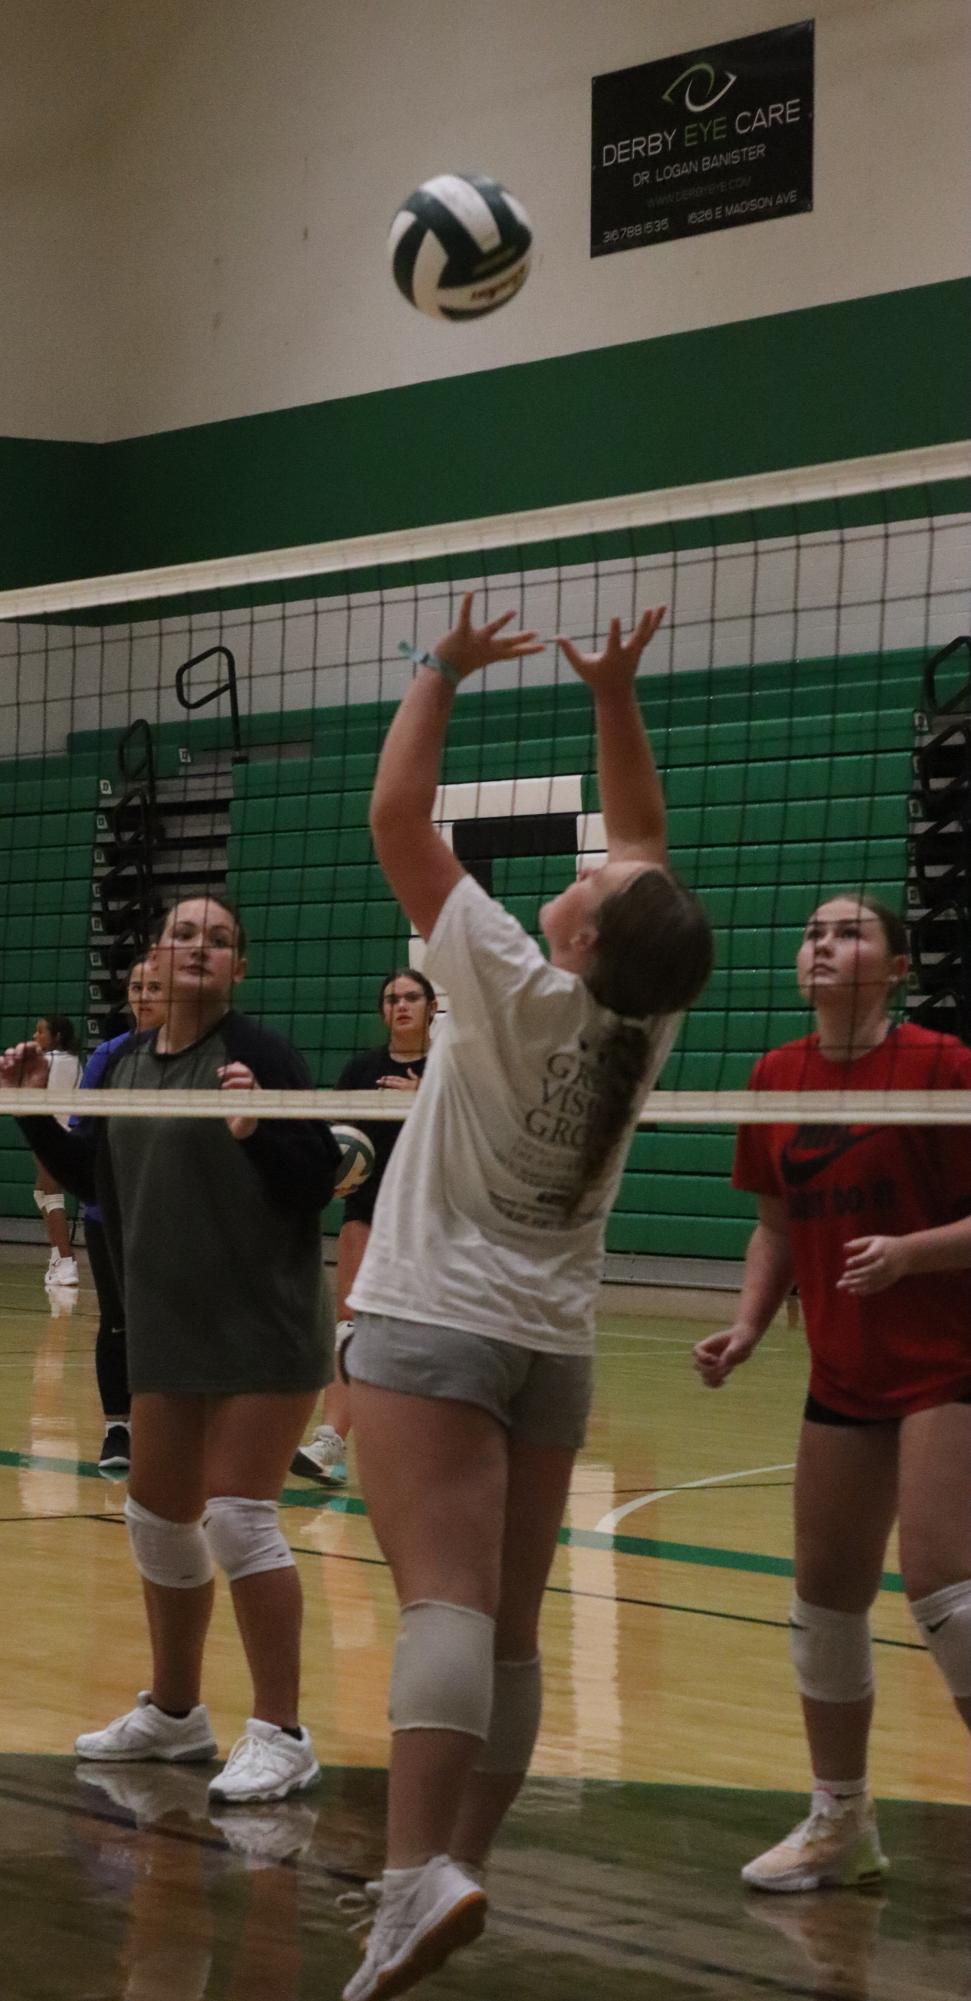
x=705, y=1554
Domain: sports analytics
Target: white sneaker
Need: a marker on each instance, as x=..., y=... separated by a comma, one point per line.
x=323, y=1459
x=424, y=1915
x=277, y=1834
x=146, y=1732
x=265, y=1764
x=835, y=1848
x=61, y=1271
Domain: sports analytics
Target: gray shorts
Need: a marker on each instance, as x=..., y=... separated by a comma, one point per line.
x=539, y=1398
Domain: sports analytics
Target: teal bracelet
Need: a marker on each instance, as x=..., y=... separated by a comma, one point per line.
x=442, y=667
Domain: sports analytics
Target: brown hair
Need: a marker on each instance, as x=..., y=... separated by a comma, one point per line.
x=653, y=956
x=216, y=896
x=891, y=924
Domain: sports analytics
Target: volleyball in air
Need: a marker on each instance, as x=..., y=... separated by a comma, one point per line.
x=460, y=247
x=357, y=1159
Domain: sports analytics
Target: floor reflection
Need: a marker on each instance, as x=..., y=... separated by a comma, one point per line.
x=118, y=1882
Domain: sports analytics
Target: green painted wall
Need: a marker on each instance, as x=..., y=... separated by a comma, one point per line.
x=877, y=374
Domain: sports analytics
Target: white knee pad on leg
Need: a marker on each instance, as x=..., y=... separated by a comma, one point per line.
x=517, y=1700
x=944, y=1619
x=443, y=1670
x=245, y=1536
x=831, y=1653
x=46, y=1203
x=175, y=1554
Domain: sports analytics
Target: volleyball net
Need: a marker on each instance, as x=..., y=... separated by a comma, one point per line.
x=218, y=727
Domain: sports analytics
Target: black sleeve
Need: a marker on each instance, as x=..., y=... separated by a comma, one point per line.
x=297, y=1158
x=68, y=1156
x=361, y=1072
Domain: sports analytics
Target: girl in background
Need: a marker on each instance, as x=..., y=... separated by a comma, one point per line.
x=146, y=1007
x=407, y=1004
x=56, y=1038
x=874, y=1225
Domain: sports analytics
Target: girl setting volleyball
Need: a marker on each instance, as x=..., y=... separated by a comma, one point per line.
x=471, y=1355
x=214, y=1231
x=874, y=1225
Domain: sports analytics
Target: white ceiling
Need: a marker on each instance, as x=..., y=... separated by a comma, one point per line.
x=71, y=69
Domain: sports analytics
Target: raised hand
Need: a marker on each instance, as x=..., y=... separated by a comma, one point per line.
x=23, y=1067
x=617, y=664
x=468, y=647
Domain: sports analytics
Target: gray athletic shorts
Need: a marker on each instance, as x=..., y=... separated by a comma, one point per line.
x=539, y=1398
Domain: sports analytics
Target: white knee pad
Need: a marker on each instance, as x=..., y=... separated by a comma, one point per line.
x=517, y=1700
x=944, y=1619
x=831, y=1653
x=46, y=1203
x=175, y=1554
x=442, y=1673
x=245, y=1536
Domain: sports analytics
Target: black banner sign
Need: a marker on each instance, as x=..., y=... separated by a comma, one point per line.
x=710, y=140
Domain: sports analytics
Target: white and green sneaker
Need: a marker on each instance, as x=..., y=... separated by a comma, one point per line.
x=836, y=1847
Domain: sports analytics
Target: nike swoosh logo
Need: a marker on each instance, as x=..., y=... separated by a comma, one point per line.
x=799, y=1168
x=941, y=1622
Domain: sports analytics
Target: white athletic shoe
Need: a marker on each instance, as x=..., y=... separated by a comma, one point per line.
x=423, y=1916
x=61, y=1271
x=322, y=1459
x=837, y=1847
x=146, y=1732
x=265, y=1764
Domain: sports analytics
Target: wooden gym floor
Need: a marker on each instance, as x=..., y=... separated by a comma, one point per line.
x=671, y=1746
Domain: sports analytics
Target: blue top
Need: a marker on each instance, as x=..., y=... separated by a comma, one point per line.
x=91, y=1078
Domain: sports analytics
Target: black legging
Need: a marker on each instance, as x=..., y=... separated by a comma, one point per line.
x=110, y=1359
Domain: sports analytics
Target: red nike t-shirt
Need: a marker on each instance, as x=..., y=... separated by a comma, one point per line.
x=909, y=1347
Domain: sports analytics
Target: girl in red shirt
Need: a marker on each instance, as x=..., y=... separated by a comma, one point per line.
x=873, y=1223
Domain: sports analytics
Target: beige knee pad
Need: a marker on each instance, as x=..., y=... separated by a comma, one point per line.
x=517, y=1700
x=944, y=1618
x=831, y=1653
x=443, y=1670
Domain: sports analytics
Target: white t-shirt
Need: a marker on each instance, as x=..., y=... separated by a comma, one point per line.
x=64, y=1073
x=469, y=1226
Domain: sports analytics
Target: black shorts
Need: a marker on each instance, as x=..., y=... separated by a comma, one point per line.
x=815, y=1412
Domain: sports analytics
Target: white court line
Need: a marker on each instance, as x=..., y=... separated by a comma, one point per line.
x=608, y=1523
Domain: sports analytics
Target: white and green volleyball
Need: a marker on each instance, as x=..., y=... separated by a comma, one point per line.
x=460, y=246
x=357, y=1158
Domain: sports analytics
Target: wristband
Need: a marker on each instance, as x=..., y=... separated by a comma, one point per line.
x=442, y=667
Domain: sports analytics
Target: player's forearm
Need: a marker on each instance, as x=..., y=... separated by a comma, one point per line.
x=410, y=761
x=631, y=798
x=945, y=1249
x=767, y=1280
